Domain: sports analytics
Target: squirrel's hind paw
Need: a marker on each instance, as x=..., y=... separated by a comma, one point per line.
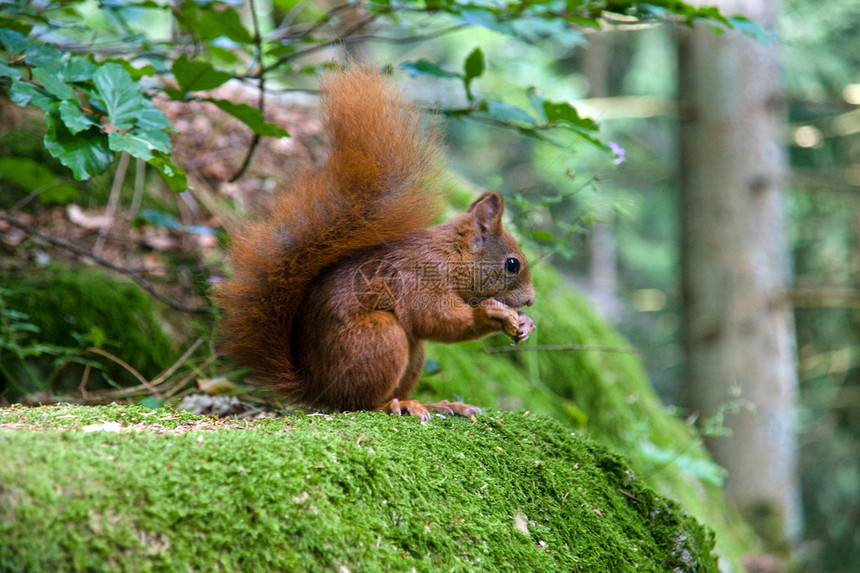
x=422, y=411
x=459, y=408
x=411, y=407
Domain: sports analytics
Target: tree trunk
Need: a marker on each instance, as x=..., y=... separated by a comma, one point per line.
x=602, y=287
x=738, y=328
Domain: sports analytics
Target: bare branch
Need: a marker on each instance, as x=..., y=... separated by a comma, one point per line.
x=128, y=367
x=575, y=347
x=261, y=85
x=175, y=366
x=144, y=284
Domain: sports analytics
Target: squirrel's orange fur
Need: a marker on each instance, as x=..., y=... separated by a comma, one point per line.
x=334, y=290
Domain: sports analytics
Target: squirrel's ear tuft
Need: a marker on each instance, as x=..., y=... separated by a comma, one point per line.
x=487, y=212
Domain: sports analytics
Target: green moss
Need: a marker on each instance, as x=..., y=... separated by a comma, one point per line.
x=368, y=492
x=606, y=395
x=66, y=305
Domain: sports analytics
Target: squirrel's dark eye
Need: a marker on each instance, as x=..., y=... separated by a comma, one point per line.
x=512, y=265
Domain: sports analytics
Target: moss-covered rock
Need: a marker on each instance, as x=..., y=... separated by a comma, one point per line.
x=124, y=488
x=601, y=393
x=59, y=310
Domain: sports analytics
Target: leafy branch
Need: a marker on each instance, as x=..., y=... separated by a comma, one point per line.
x=97, y=96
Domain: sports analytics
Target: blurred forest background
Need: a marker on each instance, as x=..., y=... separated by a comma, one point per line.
x=514, y=86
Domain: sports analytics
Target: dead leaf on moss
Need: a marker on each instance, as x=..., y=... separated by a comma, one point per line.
x=218, y=385
x=521, y=524
x=103, y=427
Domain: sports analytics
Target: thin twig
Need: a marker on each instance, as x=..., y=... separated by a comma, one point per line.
x=180, y=385
x=49, y=383
x=166, y=387
x=630, y=495
x=176, y=387
x=139, y=181
x=577, y=347
x=84, y=379
x=247, y=161
x=125, y=365
x=346, y=37
x=175, y=366
x=403, y=39
x=113, y=202
x=303, y=35
x=258, y=47
x=290, y=18
x=102, y=394
x=30, y=196
x=144, y=284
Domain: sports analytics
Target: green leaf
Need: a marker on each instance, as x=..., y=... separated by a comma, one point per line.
x=251, y=117
x=25, y=94
x=708, y=13
x=154, y=125
x=166, y=220
x=9, y=72
x=174, y=93
x=510, y=113
x=536, y=102
x=26, y=173
x=74, y=118
x=426, y=68
x=534, y=30
x=151, y=402
x=77, y=69
x=485, y=17
x=564, y=112
x=129, y=111
x=135, y=73
x=95, y=337
x=197, y=75
x=158, y=218
x=121, y=96
x=16, y=24
x=210, y=21
x=85, y=153
x=133, y=144
x=61, y=194
x=542, y=236
x=226, y=54
x=474, y=65
x=754, y=30
x=13, y=41
x=666, y=9
x=174, y=176
x=54, y=84
x=46, y=56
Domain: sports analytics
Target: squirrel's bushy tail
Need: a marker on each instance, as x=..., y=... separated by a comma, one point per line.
x=376, y=185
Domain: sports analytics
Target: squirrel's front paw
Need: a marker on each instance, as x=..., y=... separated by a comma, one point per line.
x=506, y=317
x=525, y=326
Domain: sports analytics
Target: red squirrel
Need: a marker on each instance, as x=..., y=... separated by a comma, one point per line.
x=335, y=290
